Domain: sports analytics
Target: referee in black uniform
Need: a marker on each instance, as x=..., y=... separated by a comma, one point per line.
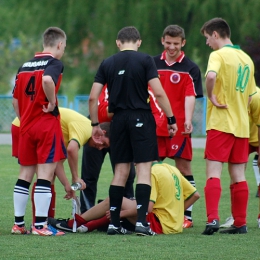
x=133, y=128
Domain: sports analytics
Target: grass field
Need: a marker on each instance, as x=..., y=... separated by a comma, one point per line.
x=97, y=245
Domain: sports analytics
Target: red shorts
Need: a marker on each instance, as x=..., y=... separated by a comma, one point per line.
x=252, y=149
x=178, y=146
x=154, y=223
x=15, y=140
x=43, y=143
x=225, y=147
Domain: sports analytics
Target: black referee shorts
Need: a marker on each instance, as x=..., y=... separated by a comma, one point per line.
x=133, y=136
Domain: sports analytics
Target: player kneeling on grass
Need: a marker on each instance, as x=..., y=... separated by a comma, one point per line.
x=170, y=195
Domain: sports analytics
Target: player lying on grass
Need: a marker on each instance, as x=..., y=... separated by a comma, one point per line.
x=170, y=195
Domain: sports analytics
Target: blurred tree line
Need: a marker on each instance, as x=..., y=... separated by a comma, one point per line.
x=92, y=26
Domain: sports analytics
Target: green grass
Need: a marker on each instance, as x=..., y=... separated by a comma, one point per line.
x=188, y=245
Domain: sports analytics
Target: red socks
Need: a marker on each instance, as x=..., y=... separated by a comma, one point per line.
x=51, y=212
x=79, y=220
x=212, y=193
x=97, y=223
x=239, y=203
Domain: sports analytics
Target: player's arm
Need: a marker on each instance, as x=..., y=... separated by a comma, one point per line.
x=258, y=161
x=191, y=200
x=189, y=110
x=49, y=90
x=164, y=103
x=60, y=173
x=210, y=83
x=16, y=107
x=73, y=153
x=93, y=111
x=150, y=206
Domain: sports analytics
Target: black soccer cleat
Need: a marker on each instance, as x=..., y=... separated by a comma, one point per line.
x=142, y=230
x=211, y=227
x=112, y=230
x=235, y=230
x=61, y=224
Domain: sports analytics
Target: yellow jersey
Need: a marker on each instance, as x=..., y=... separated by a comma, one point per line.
x=74, y=126
x=254, y=118
x=235, y=83
x=169, y=191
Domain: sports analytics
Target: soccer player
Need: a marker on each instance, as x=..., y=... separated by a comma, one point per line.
x=92, y=160
x=254, y=124
x=181, y=80
x=133, y=129
x=171, y=194
x=230, y=84
x=41, y=143
x=76, y=130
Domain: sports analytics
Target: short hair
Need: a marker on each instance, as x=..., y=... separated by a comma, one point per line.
x=128, y=34
x=174, y=31
x=106, y=126
x=52, y=35
x=216, y=24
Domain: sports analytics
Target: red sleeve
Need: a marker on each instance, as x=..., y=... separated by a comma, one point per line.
x=159, y=116
x=102, y=106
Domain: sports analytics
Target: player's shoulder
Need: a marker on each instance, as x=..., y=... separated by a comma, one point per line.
x=190, y=63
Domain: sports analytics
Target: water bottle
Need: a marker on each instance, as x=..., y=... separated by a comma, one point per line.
x=76, y=186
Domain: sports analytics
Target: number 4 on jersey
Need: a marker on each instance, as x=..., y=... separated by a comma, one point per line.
x=30, y=88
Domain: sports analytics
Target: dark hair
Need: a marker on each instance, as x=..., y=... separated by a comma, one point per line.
x=174, y=31
x=216, y=24
x=106, y=126
x=128, y=34
x=51, y=35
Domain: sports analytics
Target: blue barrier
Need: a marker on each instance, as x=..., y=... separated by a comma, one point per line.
x=80, y=104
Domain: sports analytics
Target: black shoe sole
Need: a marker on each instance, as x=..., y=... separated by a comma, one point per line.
x=210, y=232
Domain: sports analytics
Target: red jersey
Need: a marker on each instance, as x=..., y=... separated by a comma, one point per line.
x=179, y=79
x=28, y=88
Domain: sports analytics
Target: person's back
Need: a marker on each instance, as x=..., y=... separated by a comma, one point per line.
x=127, y=77
x=74, y=126
x=29, y=87
x=169, y=191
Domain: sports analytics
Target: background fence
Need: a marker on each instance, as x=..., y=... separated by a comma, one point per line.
x=80, y=104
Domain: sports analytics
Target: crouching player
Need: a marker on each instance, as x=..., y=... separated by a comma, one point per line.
x=170, y=195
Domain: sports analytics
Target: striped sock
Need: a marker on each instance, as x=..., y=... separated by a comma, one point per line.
x=188, y=211
x=20, y=196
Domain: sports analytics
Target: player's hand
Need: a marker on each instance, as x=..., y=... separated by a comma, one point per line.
x=49, y=108
x=97, y=133
x=188, y=128
x=82, y=183
x=69, y=193
x=214, y=101
x=172, y=130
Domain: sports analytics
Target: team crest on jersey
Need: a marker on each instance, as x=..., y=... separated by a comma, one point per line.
x=175, y=78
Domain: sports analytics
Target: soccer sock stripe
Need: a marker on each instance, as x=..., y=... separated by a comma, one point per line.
x=20, y=198
x=42, y=199
x=188, y=211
